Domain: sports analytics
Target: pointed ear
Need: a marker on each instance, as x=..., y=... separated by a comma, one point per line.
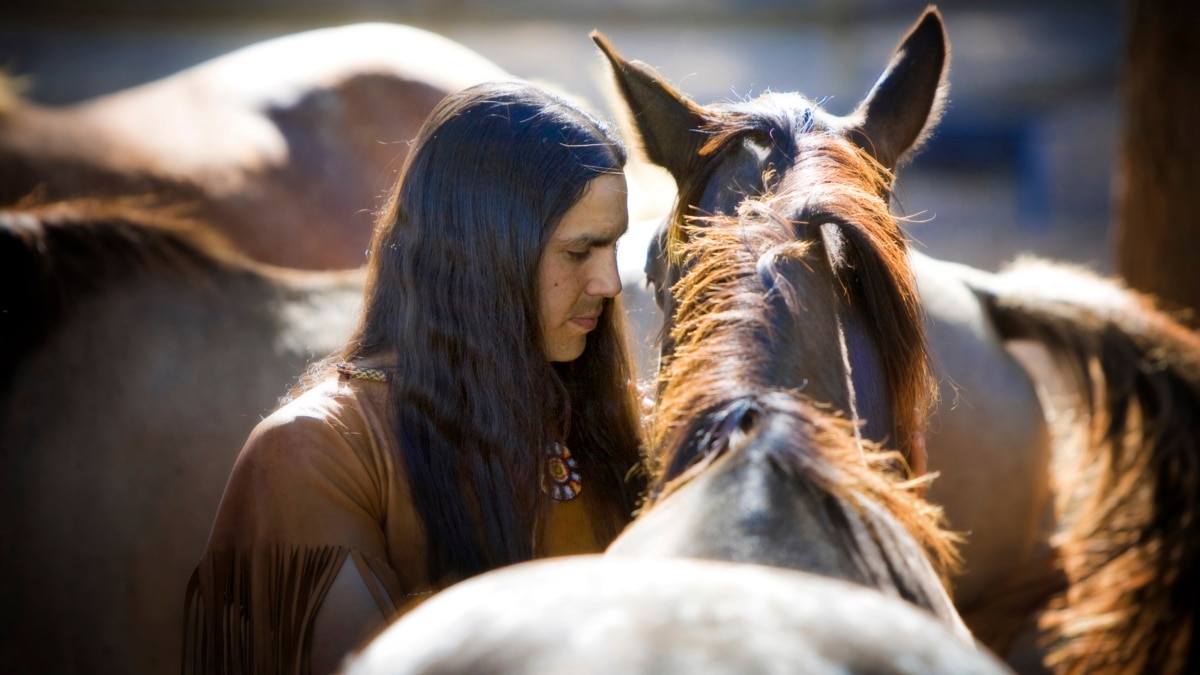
x=907, y=101
x=667, y=123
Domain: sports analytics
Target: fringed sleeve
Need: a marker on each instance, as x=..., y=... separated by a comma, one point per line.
x=305, y=496
x=253, y=612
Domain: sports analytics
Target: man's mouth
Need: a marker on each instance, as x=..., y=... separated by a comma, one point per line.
x=587, y=321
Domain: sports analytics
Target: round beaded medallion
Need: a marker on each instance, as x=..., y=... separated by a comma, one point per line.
x=563, y=473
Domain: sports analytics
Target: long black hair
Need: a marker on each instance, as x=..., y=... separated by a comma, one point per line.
x=452, y=290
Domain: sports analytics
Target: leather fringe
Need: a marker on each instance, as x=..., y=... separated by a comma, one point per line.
x=252, y=611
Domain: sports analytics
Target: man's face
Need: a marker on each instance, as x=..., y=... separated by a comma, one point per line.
x=578, y=269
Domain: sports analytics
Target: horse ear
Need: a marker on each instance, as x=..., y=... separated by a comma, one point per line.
x=669, y=125
x=907, y=101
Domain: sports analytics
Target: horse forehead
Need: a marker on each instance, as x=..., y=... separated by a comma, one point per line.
x=773, y=131
x=786, y=111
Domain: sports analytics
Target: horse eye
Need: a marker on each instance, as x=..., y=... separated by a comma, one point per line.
x=654, y=280
x=654, y=283
x=660, y=298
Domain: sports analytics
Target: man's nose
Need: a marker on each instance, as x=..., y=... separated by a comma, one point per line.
x=606, y=279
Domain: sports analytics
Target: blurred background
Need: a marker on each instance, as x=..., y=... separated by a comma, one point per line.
x=1022, y=161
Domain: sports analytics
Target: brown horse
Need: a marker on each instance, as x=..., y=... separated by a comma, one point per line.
x=287, y=144
x=1129, y=532
x=138, y=353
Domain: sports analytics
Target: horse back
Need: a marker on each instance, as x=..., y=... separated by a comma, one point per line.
x=288, y=145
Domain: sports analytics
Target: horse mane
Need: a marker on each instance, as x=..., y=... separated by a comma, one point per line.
x=56, y=254
x=835, y=180
x=1129, y=553
x=732, y=309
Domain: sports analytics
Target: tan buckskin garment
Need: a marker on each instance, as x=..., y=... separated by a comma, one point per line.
x=318, y=481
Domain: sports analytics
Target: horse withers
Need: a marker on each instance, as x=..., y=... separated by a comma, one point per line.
x=1034, y=530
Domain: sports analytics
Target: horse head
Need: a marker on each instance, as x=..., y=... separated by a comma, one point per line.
x=746, y=468
x=835, y=174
